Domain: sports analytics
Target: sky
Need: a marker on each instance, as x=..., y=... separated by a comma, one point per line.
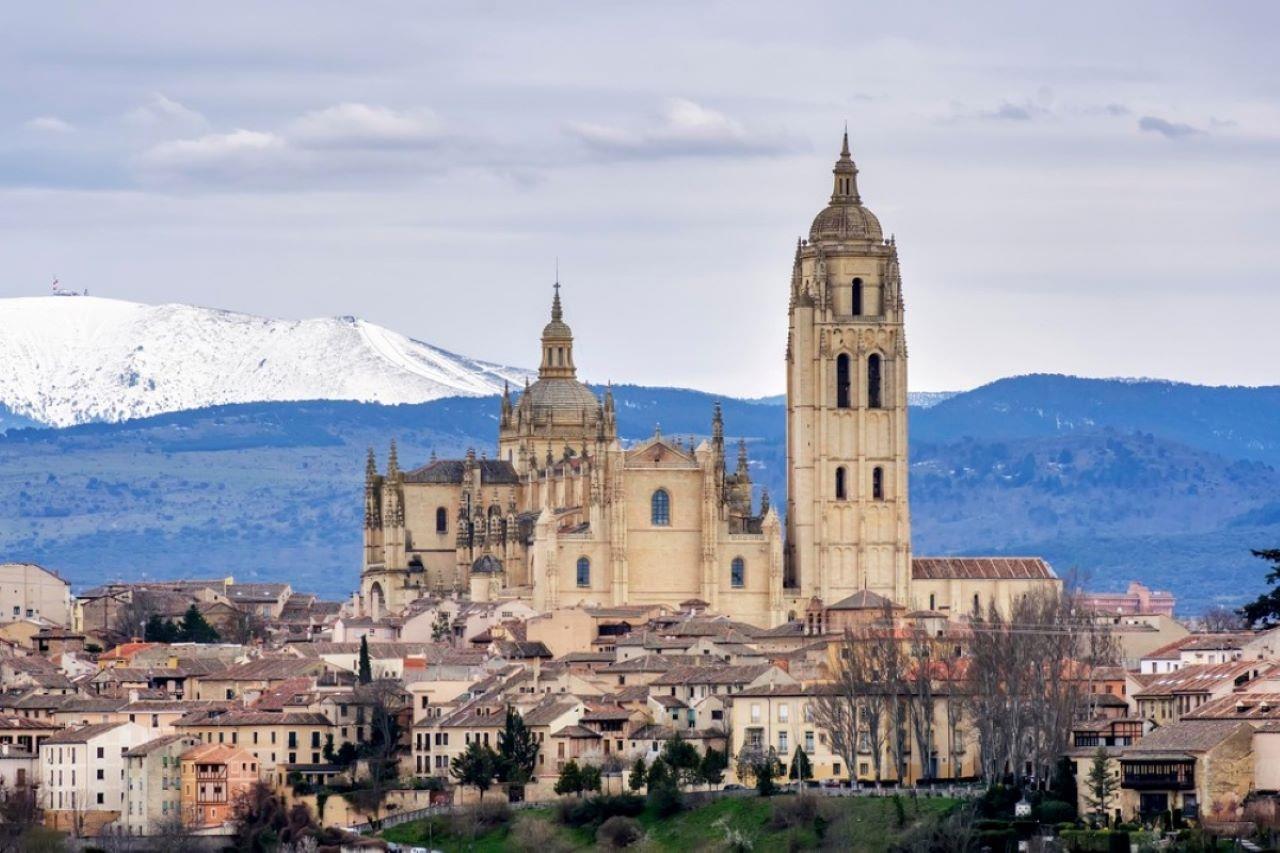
x=1085, y=188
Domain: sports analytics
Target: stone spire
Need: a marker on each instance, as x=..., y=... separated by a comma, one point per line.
x=845, y=186
x=717, y=426
x=557, y=344
x=742, y=457
x=370, y=467
x=393, y=464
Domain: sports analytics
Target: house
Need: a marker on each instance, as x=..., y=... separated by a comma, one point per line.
x=153, y=790
x=25, y=734
x=82, y=772
x=29, y=591
x=213, y=776
x=271, y=737
x=1167, y=697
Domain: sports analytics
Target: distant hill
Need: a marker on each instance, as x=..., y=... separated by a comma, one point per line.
x=1166, y=483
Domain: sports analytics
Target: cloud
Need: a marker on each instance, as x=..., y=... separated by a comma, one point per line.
x=160, y=111
x=683, y=129
x=1167, y=129
x=1007, y=111
x=49, y=124
x=227, y=156
x=355, y=125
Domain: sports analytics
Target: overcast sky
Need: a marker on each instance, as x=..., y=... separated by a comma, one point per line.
x=1075, y=188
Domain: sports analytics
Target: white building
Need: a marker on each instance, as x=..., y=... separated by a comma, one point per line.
x=28, y=591
x=82, y=776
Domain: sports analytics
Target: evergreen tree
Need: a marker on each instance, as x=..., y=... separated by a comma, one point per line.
x=1264, y=611
x=682, y=757
x=711, y=768
x=570, y=781
x=475, y=766
x=801, y=767
x=638, y=774
x=365, y=672
x=441, y=629
x=517, y=751
x=1100, y=786
x=195, y=628
x=159, y=630
x=590, y=777
x=664, y=795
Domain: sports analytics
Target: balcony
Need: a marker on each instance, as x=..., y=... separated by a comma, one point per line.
x=1159, y=775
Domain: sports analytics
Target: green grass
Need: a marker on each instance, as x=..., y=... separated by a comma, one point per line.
x=863, y=824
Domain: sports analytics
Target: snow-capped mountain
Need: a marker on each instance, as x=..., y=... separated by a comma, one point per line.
x=69, y=360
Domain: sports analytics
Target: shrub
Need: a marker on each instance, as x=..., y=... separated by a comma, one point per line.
x=1055, y=811
x=1095, y=841
x=594, y=810
x=531, y=835
x=1024, y=829
x=998, y=840
x=791, y=812
x=899, y=812
x=481, y=818
x=618, y=832
x=665, y=800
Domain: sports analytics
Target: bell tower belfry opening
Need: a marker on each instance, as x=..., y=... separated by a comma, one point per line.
x=848, y=519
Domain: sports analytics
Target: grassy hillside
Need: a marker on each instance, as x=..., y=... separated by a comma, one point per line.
x=863, y=824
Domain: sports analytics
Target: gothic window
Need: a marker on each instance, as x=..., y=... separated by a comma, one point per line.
x=877, y=483
x=873, y=381
x=738, y=573
x=841, y=491
x=584, y=572
x=442, y=520
x=660, y=509
x=857, y=297
x=842, y=381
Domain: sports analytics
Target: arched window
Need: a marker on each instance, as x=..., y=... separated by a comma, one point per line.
x=877, y=483
x=442, y=520
x=842, y=381
x=977, y=608
x=873, y=381
x=738, y=573
x=857, y=297
x=660, y=509
x=841, y=491
x=584, y=572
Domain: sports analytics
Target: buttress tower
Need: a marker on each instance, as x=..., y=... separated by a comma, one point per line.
x=848, y=520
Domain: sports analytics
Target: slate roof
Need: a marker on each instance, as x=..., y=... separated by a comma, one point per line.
x=492, y=471
x=981, y=568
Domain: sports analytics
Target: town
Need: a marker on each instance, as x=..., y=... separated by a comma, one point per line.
x=611, y=630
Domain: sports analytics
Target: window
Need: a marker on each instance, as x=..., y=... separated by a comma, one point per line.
x=808, y=742
x=738, y=573
x=784, y=712
x=842, y=381
x=841, y=491
x=755, y=712
x=977, y=608
x=857, y=297
x=584, y=572
x=442, y=520
x=782, y=744
x=877, y=483
x=873, y=381
x=660, y=508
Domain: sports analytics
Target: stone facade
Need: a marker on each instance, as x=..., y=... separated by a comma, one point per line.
x=568, y=515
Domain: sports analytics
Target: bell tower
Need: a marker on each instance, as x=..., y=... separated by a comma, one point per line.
x=848, y=520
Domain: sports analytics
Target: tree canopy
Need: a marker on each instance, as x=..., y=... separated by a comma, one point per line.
x=1264, y=611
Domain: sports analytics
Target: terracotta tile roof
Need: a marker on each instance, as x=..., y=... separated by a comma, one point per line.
x=579, y=732
x=713, y=674
x=1203, y=678
x=9, y=723
x=981, y=568
x=1239, y=706
x=1185, y=736
x=151, y=746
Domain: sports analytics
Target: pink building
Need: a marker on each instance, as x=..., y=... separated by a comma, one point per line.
x=1138, y=599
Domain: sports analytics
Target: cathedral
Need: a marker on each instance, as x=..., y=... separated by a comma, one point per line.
x=567, y=513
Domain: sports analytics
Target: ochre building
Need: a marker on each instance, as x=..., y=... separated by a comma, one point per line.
x=566, y=513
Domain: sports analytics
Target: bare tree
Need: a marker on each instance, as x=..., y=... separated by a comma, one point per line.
x=1219, y=619
x=19, y=816
x=951, y=673
x=854, y=710
x=921, y=698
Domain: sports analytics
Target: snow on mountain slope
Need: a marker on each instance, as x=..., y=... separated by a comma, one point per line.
x=69, y=360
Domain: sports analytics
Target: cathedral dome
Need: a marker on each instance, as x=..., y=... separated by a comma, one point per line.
x=846, y=221
x=844, y=217
x=487, y=565
x=562, y=398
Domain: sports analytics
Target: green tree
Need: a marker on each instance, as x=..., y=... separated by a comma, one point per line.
x=763, y=766
x=664, y=795
x=801, y=767
x=160, y=630
x=195, y=628
x=711, y=768
x=1100, y=786
x=517, y=751
x=570, y=781
x=1264, y=611
x=475, y=766
x=364, y=673
x=590, y=776
x=682, y=757
x=638, y=774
